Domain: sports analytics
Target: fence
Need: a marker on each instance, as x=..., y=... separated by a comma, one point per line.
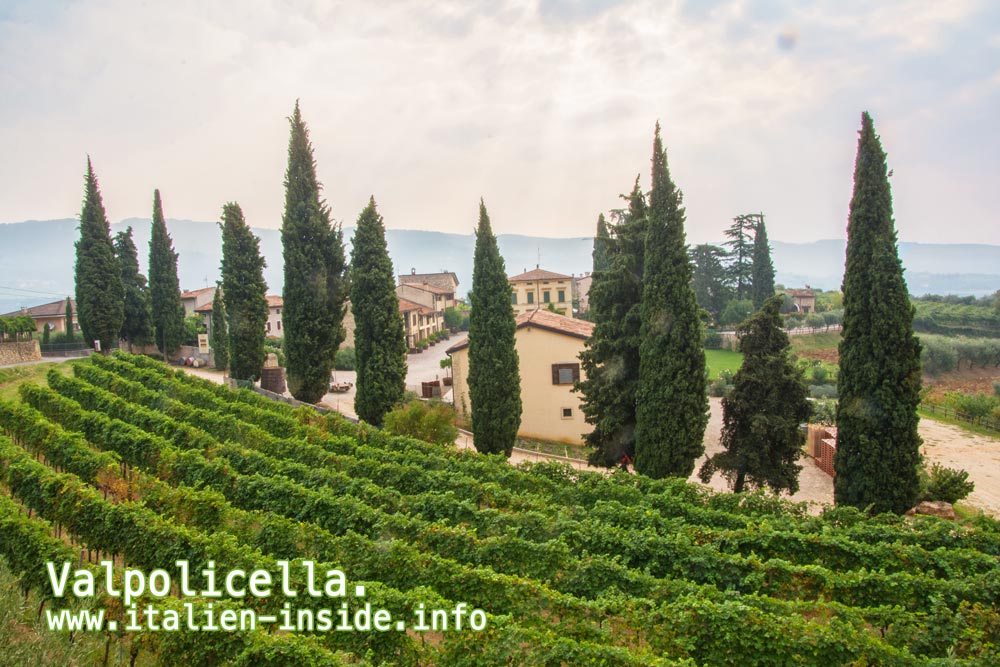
x=80, y=349
x=988, y=423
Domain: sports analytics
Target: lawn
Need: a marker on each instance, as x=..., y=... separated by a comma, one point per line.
x=719, y=360
x=828, y=340
x=11, y=377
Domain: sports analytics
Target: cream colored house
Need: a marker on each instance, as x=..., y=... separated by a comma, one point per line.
x=195, y=300
x=548, y=349
x=419, y=321
x=540, y=289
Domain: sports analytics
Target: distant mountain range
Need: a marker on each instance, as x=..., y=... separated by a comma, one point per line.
x=37, y=257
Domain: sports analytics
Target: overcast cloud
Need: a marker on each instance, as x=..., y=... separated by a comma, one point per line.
x=545, y=109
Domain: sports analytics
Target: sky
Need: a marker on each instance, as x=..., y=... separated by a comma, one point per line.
x=545, y=109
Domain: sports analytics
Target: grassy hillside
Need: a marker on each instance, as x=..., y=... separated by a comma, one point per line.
x=570, y=567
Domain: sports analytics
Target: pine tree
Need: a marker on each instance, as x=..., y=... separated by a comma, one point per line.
x=761, y=435
x=494, y=376
x=244, y=294
x=762, y=282
x=672, y=404
x=164, y=288
x=379, y=336
x=70, y=331
x=878, y=448
x=710, y=280
x=100, y=296
x=137, y=326
x=220, y=330
x=315, y=288
x=740, y=245
x=602, y=246
x=610, y=361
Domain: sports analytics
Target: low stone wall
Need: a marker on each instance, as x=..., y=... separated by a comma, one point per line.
x=19, y=352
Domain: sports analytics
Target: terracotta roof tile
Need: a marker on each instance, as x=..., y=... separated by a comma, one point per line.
x=193, y=293
x=275, y=301
x=406, y=306
x=539, y=274
x=54, y=309
x=544, y=319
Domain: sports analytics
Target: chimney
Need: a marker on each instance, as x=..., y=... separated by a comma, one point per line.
x=413, y=271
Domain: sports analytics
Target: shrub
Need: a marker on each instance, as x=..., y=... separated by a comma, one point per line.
x=832, y=317
x=971, y=405
x=824, y=411
x=945, y=484
x=719, y=388
x=429, y=421
x=938, y=355
x=819, y=374
x=345, y=360
x=996, y=388
x=815, y=321
x=823, y=391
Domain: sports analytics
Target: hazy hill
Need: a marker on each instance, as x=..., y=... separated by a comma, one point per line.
x=39, y=256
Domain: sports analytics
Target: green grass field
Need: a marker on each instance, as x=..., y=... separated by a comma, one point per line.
x=820, y=341
x=11, y=377
x=720, y=360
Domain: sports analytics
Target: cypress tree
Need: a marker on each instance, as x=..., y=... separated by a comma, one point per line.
x=762, y=283
x=244, y=294
x=602, y=246
x=672, y=404
x=164, y=288
x=137, y=326
x=45, y=334
x=70, y=331
x=379, y=337
x=878, y=448
x=99, y=293
x=315, y=289
x=494, y=376
x=220, y=331
x=610, y=360
x=761, y=433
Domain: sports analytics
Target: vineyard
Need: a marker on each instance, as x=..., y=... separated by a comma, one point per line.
x=132, y=461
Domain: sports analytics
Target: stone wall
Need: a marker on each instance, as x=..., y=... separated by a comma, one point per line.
x=19, y=352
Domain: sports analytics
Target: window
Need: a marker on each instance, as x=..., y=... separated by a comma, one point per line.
x=562, y=296
x=545, y=296
x=279, y=325
x=279, y=313
x=567, y=413
x=268, y=327
x=531, y=297
x=513, y=298
x=565, y=373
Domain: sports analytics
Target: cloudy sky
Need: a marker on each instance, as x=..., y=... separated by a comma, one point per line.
x=544, y=108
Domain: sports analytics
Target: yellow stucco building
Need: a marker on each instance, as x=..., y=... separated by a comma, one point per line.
x=538, y=289
x=548, y=349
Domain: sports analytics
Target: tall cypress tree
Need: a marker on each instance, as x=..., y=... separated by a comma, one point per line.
x=610, y=360
x=100, y=296
x=602, y=246
x=220, y=330
x=762, y=283
x=672, y=408
x=244, y=293
x=137, y=327
x=164, y=288
x=761, y=434
x=878, y=448
x=316, y=289
x=70, y=331
x=494, y=376
x=379, y=336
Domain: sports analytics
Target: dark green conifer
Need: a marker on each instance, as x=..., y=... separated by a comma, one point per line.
x=878, y=448
x=137, y=327
x=672, y=406
x=70, y=330
x=762, y=435
x=315, y=290
x=219, y=339
x=762, y=283
x=164, y=287
x=602, y=246
x=100, y=297
x=379, y=337
x=610, y=362
x=244, y=293
x=494, y=376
